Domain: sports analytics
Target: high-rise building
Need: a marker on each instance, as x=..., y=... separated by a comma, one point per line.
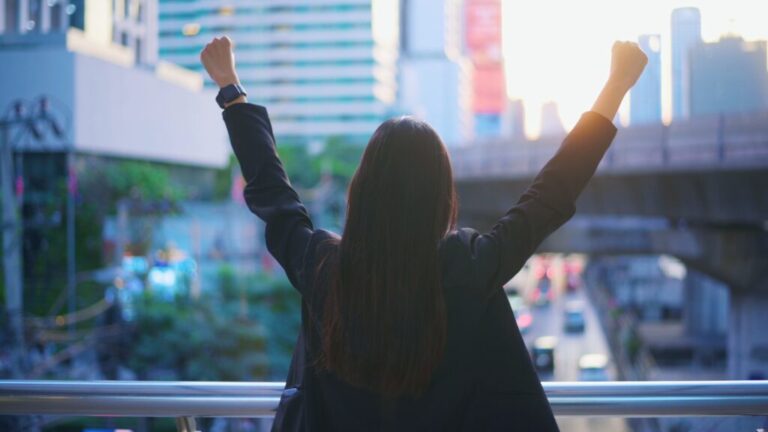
x=483, y=47
x=323, y=67
x=551, y=124
x=686, y=34
x=83, y=55
x=130, y=24
x=514, y=123
x=728, y=76
x=429, y=80
x=645, y=98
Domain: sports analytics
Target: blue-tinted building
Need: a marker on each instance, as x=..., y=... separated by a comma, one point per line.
x=729, y=76
x=551, y=124
x=430, y=70
x=686, y=34
x=323, y=68
x=645, y=97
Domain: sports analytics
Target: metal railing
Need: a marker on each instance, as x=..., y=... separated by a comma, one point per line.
x=187, y=400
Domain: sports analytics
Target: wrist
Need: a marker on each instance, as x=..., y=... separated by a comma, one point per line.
x=618, y=85
x=228, y=80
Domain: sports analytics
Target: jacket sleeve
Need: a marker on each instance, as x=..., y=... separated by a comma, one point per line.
x=547, y=203
x=268, y=192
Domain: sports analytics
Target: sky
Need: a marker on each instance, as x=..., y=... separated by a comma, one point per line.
x=559, y=50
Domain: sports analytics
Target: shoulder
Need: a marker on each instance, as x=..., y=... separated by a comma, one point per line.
x=458, y=249
x=468, y=251
x=458, y=242
x=466, y=243
x=320, y=244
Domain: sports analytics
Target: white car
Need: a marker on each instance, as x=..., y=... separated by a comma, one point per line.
x=593, y=367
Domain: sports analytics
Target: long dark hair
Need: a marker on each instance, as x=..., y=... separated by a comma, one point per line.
x=384, y=320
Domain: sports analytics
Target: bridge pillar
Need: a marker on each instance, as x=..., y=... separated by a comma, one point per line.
x=705, y=308
x=748, y=336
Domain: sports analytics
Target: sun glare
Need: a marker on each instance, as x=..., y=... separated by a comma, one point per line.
x=559, y=51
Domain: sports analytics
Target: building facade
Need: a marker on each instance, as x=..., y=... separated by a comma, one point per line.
x=87, y=67
x=729, y=76
x=686, y=34
x=324, y=68
x=551, y=123
x=429, y=80
x=645, y=97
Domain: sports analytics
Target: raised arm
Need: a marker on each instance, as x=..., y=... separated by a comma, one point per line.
x=550, y=200
x=268, y=191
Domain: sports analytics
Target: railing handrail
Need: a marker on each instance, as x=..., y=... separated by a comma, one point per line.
x=259, y=399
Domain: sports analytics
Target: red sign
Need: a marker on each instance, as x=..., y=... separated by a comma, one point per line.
x=488, y=89
x=483, y=30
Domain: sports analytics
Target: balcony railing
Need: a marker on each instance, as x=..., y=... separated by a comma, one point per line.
x=187, y=400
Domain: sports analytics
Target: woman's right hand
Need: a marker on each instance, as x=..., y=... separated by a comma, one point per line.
x=627, y=64
x=219, y=60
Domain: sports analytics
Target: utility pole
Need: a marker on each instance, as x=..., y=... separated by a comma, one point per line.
x=11, y=247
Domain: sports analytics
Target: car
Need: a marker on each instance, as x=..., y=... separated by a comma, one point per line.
x=523, y=316
x=543, y=353
x=593, y=367
x=573, y=318
x=572, y=283
x=524, y=319
x=543, y=294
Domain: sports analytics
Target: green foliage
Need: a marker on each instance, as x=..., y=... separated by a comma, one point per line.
x=141, y=180
x=338, y=158
x=223, y=179
x=243, y=330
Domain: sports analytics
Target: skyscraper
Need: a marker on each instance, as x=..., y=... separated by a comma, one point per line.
x=429, y=85
x=686, y=33
x=514, y=120
x=551, y=124
x=729, y=76
x=483, y=45
x=323, y=68
x=645, y=98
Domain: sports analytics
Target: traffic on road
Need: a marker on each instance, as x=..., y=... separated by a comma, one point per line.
x=562, y=331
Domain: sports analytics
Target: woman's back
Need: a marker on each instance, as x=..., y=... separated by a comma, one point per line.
x=485, y=377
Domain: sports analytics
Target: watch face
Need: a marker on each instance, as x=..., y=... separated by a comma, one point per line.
x=228, y=94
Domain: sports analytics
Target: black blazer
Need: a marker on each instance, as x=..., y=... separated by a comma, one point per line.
x=486, y=380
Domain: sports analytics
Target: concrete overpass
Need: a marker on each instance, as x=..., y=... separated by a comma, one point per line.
x=697, y=190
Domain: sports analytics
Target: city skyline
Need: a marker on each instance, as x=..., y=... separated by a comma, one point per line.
x=536, y=70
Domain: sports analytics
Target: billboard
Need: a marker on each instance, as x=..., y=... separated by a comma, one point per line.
x=483, y=44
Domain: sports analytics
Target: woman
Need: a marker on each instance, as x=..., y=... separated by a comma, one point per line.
x=405, y=325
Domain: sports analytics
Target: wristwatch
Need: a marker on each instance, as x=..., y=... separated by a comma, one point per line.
x=228, y=94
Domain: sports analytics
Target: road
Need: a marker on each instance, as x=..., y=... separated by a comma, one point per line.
x=548, y=321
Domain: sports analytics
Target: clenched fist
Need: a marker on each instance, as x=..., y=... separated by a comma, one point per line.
x=627, y=64
x=219, y=61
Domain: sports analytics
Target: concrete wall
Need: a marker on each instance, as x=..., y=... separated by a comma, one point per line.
x=116, y=110
x=747, y=337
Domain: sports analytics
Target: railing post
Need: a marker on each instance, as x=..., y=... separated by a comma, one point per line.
x=664, y=145
x=721, y=137
x=186, y=424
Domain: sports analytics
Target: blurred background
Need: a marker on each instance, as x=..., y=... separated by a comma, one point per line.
x=128, y=252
